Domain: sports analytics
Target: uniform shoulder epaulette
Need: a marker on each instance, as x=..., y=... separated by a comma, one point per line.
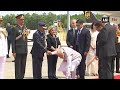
x=4, y=31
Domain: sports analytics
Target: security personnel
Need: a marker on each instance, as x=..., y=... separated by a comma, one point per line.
x=19, y=47
x=38, y=50
x=3, y=48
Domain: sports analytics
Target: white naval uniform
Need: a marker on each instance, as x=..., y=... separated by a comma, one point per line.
x=70, y=62
x=3, y=53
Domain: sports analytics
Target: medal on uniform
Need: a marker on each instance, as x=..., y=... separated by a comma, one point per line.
x=25, y=33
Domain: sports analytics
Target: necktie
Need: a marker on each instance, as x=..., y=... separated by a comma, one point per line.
x=79, y=31
x=73, y=32
x=77, y=41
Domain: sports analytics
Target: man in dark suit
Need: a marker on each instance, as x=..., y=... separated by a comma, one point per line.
x=9, y=38
x=105, y=49
x=38, y=50
x=19, y=47
x=82, y=45
x=71, y=34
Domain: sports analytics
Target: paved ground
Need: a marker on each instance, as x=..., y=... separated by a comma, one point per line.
x=9, y=67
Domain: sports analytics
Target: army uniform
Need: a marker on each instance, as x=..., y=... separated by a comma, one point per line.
x=19, y=46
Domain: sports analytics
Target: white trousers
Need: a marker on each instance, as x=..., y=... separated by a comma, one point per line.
x=2, y=66
x=72, y=75
x=69, y=68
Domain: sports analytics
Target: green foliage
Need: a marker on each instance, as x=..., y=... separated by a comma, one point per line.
x=31, y=21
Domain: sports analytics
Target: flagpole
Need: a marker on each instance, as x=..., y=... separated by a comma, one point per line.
x=68, y=20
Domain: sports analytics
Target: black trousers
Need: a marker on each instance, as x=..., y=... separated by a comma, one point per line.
x=37, y=67
x=106, y=67
x=20, y=65
x=82, y=67
x=52, y=61
x=9, y=43
x=117, y=61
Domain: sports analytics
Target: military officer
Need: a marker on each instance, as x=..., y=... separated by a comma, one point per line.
x=38, y=50
x=3, y=48
x=19, y=47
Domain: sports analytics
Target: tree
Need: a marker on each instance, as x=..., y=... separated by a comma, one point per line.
x=31, y=21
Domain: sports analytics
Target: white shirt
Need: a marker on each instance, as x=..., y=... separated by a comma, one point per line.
x=79, y=30
x=73, y=58
x=69, y=52
x=70, y=61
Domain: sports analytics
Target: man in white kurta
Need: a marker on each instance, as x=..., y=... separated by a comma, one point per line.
x=71, y=59
x=3, y=49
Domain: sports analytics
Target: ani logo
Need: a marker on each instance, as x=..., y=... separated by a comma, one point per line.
x=105, y=19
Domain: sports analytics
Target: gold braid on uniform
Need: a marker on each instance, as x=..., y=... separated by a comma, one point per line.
x=4, y=32
x=25, y=33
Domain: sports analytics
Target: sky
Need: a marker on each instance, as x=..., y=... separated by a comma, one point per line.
x=3, y=13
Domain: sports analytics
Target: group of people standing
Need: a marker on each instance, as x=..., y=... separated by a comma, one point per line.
x=89, y=52
x=98, y=47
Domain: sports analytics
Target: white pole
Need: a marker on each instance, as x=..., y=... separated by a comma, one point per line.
x=68, y=20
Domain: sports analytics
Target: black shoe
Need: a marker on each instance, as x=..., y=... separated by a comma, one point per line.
x=55, y=78
x=8, y=56
x=117, y=71
x=78, y=77
x=13, y=61
x=52, y=77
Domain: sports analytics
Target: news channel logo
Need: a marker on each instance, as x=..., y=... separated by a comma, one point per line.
x=105, y=19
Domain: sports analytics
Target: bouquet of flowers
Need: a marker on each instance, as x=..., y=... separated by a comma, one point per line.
x=118, y=33
x=4, y=31
x=118, y=36
x=25, y=33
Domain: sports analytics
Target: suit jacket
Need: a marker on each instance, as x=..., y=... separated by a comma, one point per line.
x=52, y=41
x=39, y=47
x=84, y=40
x=9, y=30
x=70, y=38
x=18, y=46
x=105, y=45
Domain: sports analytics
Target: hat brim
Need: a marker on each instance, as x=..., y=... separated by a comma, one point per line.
x=44, y=27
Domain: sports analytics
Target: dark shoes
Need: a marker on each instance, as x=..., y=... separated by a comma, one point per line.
x=117, y=71
x=52, y=77
x=55, y=78
x=8, y=56
x=78, y=77
x=13, y=61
